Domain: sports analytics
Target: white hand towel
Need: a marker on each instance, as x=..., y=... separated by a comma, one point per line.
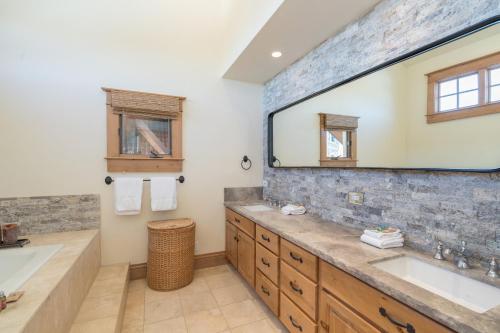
x=382, y=243
x=163, y=193
x=128, y=195
x=383, y=233
x=293, y=210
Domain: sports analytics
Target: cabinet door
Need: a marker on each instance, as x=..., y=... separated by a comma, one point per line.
x=246, y=257
x=341, y=319
x=232, y=244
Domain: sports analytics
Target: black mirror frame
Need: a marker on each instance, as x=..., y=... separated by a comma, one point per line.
x=448, y=39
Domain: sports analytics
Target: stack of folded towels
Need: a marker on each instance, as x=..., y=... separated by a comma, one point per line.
x=293, y=210
x=383, y=237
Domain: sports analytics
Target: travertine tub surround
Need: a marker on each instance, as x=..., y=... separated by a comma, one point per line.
x=55, y=292
x=340, y=246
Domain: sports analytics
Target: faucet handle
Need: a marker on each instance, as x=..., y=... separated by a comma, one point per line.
x=439, y=251
x=463, y=245
x=492, y=269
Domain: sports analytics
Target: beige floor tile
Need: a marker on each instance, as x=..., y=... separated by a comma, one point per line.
x=231, y=294
x=96, y=308
x=278, y=327
x=222, y=280
x=111, y=271
x=103, y=325
x=262, y=306
x=134, y=309
x=162, y=310
x=175, y=325
x=209, y=321
x=155, y=295
x=100, y=288
x=198, y=285
x=135, y=285
x=132, y=329
x=242, y=313
x=261, y=326
x=204, y=272
x=198, y=302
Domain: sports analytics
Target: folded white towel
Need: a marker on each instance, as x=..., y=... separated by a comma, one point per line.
x=382, y=243
x=293, y=210
x=128, y=195
x=383, y=233
x=163, y=193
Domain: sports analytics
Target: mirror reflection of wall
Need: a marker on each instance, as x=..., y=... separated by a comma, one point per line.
x=437, y=110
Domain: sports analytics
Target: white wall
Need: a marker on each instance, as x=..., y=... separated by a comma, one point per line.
x=56, y=55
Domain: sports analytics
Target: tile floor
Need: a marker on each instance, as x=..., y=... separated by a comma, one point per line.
x=217, y=300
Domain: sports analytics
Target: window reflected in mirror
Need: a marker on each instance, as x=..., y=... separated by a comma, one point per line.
x=338, y=140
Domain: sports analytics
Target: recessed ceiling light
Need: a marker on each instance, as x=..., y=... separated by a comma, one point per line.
x=276, y=54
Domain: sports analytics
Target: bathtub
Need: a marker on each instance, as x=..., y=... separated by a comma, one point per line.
x=18, y=264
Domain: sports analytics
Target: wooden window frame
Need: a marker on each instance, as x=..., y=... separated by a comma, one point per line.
x=324, y=161
x=481, y=66
x=117, y=162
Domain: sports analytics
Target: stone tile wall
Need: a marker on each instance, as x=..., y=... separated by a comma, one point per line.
x=52, y=213
x=451, y=206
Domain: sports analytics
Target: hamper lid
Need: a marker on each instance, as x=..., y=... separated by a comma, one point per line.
x=170, y=224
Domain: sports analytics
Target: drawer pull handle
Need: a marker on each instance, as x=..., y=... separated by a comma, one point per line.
x=296, y=257
x=265, y=291
x=267, y=239
x=296, y=288
x=265, y=262
x=294, y=323
x=236, y=220
x=236, y=239
x=409, y=327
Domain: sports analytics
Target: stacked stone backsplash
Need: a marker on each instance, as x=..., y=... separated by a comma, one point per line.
x=243, y=193
x=37, y=215
x=449, y=206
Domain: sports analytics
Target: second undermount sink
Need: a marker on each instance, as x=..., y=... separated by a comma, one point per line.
x=258, y=208
x=472, y=294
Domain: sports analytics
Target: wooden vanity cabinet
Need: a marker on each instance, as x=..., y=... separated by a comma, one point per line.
x=246, y=257
x=338, y=318
x=366, y=303
x=232, y=244
x=240, y=245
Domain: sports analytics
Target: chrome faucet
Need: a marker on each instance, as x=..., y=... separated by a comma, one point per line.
x=460, y=259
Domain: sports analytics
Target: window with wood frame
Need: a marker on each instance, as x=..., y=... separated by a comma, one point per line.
x=338, y=140
x=468, y=89
x=144, y=131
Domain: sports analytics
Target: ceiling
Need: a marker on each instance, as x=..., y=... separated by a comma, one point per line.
x=295, y=28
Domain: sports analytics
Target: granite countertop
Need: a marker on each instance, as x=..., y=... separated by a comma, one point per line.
x=341, y=247
x=40, y=285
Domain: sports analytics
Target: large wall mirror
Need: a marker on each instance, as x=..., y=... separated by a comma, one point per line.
x=438, y=109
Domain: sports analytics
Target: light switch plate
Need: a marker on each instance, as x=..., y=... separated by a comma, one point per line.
x=356, y=198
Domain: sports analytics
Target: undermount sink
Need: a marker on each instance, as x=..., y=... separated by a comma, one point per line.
x=472, y=294
x=258, y=208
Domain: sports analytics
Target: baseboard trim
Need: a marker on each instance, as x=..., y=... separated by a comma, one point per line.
x=138, y=271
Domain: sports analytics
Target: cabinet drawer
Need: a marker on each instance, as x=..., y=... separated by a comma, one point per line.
x=299, y=289
x=241, y=222
x=267, y=291
x=293, y=318
x=370, y=302
x=342, y=319
x=268, y=239
x=267, y=262
x=300, y=259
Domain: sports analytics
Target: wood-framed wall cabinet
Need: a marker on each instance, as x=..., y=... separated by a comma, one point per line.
x=144, y=131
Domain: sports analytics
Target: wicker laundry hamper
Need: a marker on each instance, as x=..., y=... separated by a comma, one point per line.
x=170, y=253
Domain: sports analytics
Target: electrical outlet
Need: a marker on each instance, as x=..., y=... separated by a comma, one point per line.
x=356, y=198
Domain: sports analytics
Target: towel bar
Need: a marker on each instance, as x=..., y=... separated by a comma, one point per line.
x=108, y=180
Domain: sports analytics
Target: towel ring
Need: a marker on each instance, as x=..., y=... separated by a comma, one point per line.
x=246, y=163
